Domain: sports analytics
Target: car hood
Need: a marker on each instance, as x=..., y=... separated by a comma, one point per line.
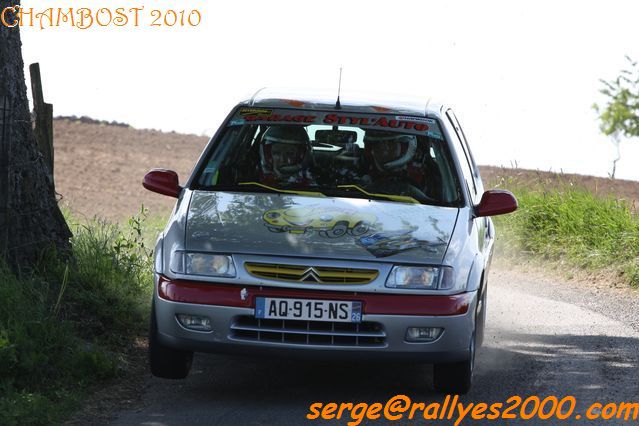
x=335, y=228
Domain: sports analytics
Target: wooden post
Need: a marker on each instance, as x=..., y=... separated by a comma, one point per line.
x=5, y=132
x=43, y=119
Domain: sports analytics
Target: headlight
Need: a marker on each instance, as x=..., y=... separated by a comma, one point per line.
x=212, y=265
x=421, y=278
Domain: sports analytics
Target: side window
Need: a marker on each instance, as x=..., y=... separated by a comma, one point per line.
x=468, y=152
x=442, y=164
x=217, y=165
x=464, y=161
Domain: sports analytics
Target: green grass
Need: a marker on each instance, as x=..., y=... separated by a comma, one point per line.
x=568, y=225
x=64, y=326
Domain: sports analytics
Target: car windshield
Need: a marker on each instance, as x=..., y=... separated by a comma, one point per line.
x=332, y=154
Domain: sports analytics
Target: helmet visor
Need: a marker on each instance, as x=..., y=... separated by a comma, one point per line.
x=387, y=151
x=287, y=158
x=391, y=150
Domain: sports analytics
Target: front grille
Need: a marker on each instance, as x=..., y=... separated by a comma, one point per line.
x=317, y=333
x=311, y=274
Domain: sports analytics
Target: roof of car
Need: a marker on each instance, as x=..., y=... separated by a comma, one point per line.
x=349, y=101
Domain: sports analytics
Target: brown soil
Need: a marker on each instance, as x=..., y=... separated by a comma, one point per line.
x=99, y=169
x=506, y=178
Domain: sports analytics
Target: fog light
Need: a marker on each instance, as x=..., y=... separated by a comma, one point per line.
x=423, y=334
x=194, y=322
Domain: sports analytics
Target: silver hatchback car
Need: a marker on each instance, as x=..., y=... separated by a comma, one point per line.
x=319, y=228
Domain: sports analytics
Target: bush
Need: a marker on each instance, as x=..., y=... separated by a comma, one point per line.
x=63, y=326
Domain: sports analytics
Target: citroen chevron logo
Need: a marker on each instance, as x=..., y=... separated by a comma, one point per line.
x=311, y=275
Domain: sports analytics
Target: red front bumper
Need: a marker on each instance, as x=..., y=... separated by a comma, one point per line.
x=205, y=293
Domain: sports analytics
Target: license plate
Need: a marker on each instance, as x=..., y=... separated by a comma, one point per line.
x=308, y=310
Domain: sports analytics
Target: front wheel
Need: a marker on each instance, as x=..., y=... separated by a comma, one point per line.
x=167, y=363
x=359, y=229
x=455, y=378
x=338, y=230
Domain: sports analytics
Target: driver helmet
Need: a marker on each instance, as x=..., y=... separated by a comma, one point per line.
x=390, y=151
x=284, y=151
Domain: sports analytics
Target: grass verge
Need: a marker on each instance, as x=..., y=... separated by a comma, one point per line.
x=64, y=327
x=566, y=225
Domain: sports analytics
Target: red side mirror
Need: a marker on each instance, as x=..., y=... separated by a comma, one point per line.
x=163, y=182
x=496, y=202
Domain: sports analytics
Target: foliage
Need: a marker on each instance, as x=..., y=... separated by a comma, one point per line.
x=621, y=112
x=62, y=325
x=620, y=115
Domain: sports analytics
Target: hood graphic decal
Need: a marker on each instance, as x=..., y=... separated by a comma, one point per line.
x=339, y=228
x=328, y=222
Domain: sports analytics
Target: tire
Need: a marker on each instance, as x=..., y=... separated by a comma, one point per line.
x=338, y=230
x=165, y=362
x=455, y=378
x=359, y=229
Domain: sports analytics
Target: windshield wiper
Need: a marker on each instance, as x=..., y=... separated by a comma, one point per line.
x=243, y=185
x=400, y=198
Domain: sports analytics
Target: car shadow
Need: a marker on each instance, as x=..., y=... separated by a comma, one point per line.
x=253, y=390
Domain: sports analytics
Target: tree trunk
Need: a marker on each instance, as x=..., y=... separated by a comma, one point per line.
x=616, y=139
x=30, y=220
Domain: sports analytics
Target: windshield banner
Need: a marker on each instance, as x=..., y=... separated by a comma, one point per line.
x=404, y=124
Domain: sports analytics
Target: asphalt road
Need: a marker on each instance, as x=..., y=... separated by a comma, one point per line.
x=544, y=337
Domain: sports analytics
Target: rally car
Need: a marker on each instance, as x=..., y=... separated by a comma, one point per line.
x=245, y=263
